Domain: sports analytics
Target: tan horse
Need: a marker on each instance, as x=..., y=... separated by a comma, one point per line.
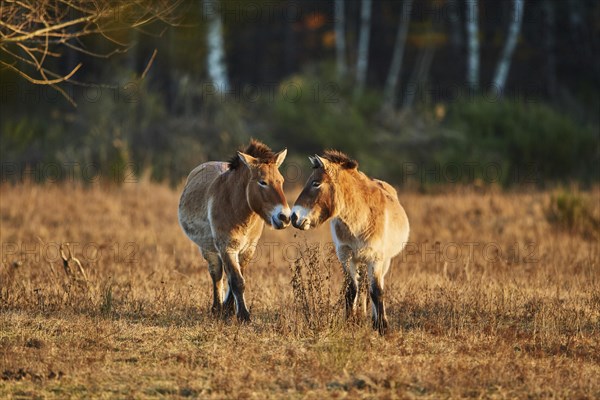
x=368, y=224
x=223, y=209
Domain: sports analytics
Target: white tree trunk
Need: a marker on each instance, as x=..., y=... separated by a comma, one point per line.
x=418, y=76
x=471, y=20
x=501, y=74
x=340, y=38
x=391, y=84
x=362, y=61
x=215, y=62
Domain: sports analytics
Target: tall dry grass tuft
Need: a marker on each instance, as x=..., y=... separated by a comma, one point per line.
x=317, y=305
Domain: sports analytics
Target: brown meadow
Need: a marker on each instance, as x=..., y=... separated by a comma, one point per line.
x=488, y=300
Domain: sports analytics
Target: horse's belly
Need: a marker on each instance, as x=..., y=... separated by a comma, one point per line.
x=194, y=203
x=396, y=232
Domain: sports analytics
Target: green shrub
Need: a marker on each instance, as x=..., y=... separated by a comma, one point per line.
x=312, y=114
x=574, y=212
x=531, y=143
x=521, y=137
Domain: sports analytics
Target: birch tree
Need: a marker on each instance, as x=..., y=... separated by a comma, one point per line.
x=391, y=84
x=362, y=61
x=472, y=22
x=503, y=66
x=418, y=76
x=340, y=38
x=215, y=60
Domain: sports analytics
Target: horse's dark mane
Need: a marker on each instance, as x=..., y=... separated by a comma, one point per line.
x=337, y=157
x=255, y=149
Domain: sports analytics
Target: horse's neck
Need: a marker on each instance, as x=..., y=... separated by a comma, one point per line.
x=352, y=203
x=234, y=186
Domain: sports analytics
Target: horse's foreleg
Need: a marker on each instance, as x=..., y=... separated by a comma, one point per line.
x=357, y=289
x=376, y=273
x=351, y=295
x=229, y=303
x=244, y=260
x=363, y=290
x=236, y=284
x=351, y=282
x=246, y=257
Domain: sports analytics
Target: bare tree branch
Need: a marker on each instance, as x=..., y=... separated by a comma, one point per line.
x=43, y=81
x=154, y=53
x=31, y=31
x=44, y=31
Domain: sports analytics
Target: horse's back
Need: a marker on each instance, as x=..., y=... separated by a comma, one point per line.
x=193, y=205
x=386, y=187
x=206, y=172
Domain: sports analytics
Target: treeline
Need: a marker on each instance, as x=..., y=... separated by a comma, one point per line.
x=223, y=71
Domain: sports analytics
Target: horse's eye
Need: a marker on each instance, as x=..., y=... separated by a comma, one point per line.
x=262, y=183
x=316, y=184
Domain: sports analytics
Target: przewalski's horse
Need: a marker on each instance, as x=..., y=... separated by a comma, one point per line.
x=223, y=209
x=368, y=224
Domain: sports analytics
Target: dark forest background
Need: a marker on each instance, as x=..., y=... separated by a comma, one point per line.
x=286, y=87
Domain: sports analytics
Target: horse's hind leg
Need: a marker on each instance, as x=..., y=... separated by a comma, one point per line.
x=376, y=274
x=215, y=268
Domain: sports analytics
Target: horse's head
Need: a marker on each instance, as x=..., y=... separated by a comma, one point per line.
x=264, y=191
x=318, y=201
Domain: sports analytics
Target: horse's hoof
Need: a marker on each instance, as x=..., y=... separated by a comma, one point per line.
x=244, y=317
x=353, y=318
x=381, y=326
x=216, y=311
x=227, y=309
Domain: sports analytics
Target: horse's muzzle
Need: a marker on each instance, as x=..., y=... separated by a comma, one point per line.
x=284, y=218
x=280, y=217
x=279, y=222
x=302, y=224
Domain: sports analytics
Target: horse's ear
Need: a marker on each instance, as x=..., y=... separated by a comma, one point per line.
x=279, y=157
x=323, y=162
x=247, y=159
x=316, y=161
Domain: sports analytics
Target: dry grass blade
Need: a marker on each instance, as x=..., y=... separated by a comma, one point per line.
x=70, y=258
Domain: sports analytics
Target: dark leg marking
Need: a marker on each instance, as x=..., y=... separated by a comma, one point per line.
x=380, y=322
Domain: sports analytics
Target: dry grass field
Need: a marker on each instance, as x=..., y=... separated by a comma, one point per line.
x=491, y=299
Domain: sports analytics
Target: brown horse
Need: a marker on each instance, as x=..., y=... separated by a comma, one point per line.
x=368, y=224
x=223, y=209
